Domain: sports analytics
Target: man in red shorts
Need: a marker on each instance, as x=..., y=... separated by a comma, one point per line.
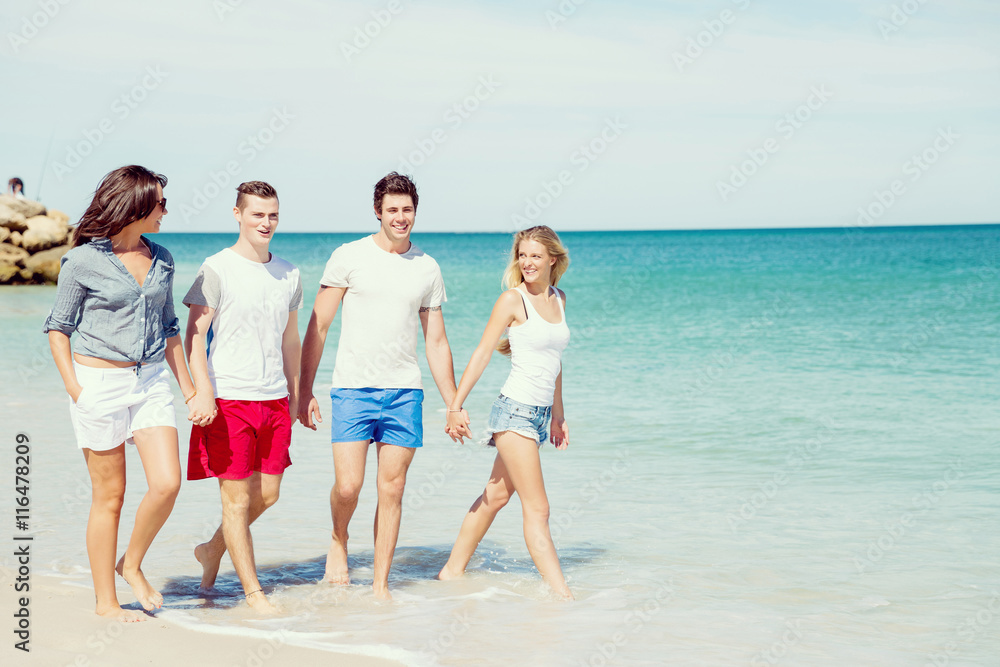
x=243, y=349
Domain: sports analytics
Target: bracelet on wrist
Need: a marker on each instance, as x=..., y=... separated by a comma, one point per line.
x=188, y=399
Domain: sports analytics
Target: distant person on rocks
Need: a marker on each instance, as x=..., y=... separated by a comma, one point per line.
x=246, y=373
x=529, y=410
x=116, y=292
x=389, y=288
x=15, y=188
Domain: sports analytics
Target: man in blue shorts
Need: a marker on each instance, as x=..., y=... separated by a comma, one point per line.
x=388, y=287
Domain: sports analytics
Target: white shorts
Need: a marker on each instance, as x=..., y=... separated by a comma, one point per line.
x=115, y=402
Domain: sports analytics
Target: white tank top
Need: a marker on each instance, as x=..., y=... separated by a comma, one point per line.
x=535, y=355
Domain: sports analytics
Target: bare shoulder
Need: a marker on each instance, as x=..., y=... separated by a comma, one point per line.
x=562, y=295
x=509, y=306
x=513, y=295
x=509, y=300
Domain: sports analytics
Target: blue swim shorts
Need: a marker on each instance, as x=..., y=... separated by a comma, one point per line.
x=390, y=416
x=531, y=421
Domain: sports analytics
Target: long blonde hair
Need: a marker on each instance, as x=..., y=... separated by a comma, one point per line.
x=512, y=277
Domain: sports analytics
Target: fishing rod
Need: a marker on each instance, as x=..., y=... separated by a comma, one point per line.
x=45, y=164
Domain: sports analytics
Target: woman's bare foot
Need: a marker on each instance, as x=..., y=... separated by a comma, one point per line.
x=447, y=573
x=259, y=603
x=382, y=592
x=115, y=612
x=210, y=565
x=147, y=596
x=336, y=564
x=563, y=594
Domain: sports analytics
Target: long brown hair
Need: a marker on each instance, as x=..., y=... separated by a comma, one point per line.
x=124, y=196
x=512, y=277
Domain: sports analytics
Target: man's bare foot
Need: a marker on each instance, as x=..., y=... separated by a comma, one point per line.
x=259, y=603
x=447, y=573
x=210, y=565
x=147, y=596
x=382, y=592
x=115, y=612
x=336, y=564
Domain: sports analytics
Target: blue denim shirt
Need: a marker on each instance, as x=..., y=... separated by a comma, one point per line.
x=99, y=299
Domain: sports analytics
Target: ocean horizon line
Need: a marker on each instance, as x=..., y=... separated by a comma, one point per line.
x=845, y=228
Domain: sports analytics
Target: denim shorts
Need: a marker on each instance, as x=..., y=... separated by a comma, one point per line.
x=531, y=421
x=389, y=416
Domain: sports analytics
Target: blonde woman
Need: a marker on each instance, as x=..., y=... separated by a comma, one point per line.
x=529, y=409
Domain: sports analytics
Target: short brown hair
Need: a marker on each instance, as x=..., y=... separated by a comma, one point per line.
x=255, y=188
x=394, y=184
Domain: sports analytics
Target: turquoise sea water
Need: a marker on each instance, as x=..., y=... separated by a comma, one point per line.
x=783, y=451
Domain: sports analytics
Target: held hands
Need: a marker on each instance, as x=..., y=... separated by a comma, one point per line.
x=308, y=408
x=458, y=425
x=559, y=432
x=202, y=409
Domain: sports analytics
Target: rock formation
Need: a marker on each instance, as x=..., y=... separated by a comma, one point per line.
x=32, y=241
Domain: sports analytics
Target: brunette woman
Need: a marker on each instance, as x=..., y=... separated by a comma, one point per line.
x=116, y=292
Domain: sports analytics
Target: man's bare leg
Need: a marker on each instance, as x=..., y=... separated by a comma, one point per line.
x=157, y=447
x=349, y=475
x=107, y=478
x=393, y=462
x=478, y=520
x=236, y=494
x=210, y=553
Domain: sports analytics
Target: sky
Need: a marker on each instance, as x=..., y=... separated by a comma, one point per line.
x=577, y=114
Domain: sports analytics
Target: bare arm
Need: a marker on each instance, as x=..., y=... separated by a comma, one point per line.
x=324, y=310
x=505, y=311
x=291, y=353
x=201, y=408
x=63, y=356
x=438, y=351
x=559, y=429
x=442, y=368
x=174, y=356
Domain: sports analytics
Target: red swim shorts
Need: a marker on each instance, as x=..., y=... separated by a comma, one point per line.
x=246, y=437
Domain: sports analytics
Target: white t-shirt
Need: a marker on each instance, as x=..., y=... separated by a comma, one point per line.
x=251, y=302
x=378, y=334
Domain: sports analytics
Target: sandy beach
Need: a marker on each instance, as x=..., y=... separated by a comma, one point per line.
x=65, y=631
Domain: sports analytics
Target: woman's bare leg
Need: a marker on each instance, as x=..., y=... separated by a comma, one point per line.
x=520, y=456
x=107, y=478
x=158, y=450
x=478, y=520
